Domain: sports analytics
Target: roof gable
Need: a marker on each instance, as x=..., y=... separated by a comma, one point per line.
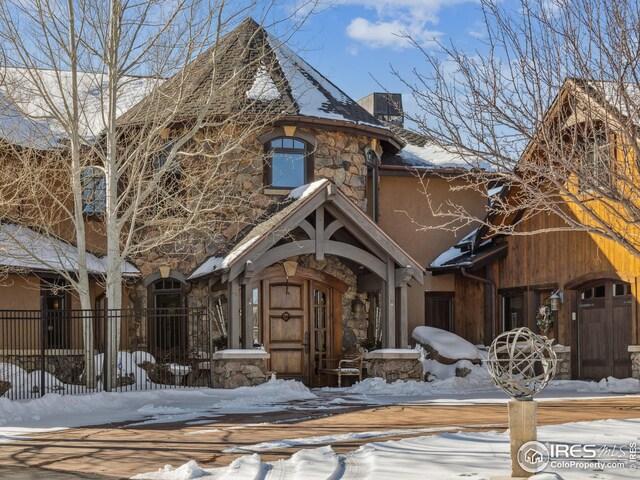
x=287, y=215
x=250, y=71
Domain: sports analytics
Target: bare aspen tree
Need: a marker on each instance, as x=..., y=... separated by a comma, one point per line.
x=155, y=179
x=548, y=105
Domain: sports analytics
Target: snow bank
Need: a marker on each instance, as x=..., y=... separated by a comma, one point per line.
x=608, y=385
x=447, y=344
x=167, y=405
x=471, y=455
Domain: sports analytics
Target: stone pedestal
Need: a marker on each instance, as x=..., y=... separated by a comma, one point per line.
x=563, y=368
x=634, y=351
x=394, y=364
x=522, y=429
x=239, y=368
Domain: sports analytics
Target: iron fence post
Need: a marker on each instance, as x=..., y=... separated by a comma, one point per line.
x=43, y=331
x=106, y=381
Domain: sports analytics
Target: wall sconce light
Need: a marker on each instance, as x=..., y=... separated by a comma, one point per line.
x=356, y=307
x=555, y=300
x=290, y=269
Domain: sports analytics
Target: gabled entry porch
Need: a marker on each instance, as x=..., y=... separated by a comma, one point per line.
x=299, y=280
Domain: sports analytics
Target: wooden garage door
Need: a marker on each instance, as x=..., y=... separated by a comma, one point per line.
x=604, y=330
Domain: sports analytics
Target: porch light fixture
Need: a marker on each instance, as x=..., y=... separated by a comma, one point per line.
x=290, y=268
x=555, y=300
x=165, y=271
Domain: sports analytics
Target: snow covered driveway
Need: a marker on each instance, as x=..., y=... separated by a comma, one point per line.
x=340, y=418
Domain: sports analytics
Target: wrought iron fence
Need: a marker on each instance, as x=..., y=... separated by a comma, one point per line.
x=81, y=351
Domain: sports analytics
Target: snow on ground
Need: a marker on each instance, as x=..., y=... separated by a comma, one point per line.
x=470, y=455
x=20, y=417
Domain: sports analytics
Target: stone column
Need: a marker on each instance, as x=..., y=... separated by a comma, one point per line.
x=563, y=368
x=634, y=351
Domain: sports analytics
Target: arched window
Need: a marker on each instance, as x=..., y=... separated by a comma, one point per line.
x=289, y=163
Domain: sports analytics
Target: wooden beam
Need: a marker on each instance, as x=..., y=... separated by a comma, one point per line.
x=389, y=307
x=320, y=235
x=331, y=247
x=249, y=272
x=403, y=275
x=308, y=229
x=332, y=228
x=233, y=313
x=403, y=315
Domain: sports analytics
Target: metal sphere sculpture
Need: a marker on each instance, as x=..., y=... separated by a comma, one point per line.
x=521, y=363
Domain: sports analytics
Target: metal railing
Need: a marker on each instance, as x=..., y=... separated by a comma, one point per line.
x=80, y=351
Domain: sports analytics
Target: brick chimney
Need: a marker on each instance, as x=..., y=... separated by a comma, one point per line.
x=386, y=107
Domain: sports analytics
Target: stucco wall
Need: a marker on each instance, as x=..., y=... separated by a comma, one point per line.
x=404, y=210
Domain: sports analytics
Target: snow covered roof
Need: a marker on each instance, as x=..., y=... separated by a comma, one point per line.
x=420, y=153
x=252, y=71
x=24, y=248
x=28, y=120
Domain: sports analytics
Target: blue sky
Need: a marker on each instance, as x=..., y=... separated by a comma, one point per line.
x=353, y=42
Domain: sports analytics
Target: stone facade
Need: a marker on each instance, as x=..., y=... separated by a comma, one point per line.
x=563, y=367
x=238, y=372
x=634, y=351
x=338, y=156
x=392, y=366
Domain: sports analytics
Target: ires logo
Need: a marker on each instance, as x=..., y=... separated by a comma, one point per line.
x=533, y=457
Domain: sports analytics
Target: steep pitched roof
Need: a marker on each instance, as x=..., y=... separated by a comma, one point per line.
x=250, y=70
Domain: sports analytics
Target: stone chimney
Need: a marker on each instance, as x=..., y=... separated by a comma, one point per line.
x=386, y=107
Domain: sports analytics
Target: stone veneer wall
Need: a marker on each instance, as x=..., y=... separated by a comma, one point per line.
x=354, y=326
x=394, y=369
x=240, y=372
x=338, y=156
x=563, y=367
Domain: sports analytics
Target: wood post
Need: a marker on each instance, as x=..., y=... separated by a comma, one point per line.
x=233, y=314
x=389, y=306
x=522, y=429
x=246, y=316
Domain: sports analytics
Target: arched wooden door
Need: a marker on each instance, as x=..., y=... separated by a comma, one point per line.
x=298, y=327
x=604, y=330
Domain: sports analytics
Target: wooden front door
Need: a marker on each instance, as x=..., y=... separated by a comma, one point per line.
x=604, y=330
x=298, y=327
x=287, y=334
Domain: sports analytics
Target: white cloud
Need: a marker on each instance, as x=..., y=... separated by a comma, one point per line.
x=395, y=19
x=392, y=34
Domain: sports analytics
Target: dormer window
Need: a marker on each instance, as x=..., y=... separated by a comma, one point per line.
x=595, y=156
x=288, y=164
